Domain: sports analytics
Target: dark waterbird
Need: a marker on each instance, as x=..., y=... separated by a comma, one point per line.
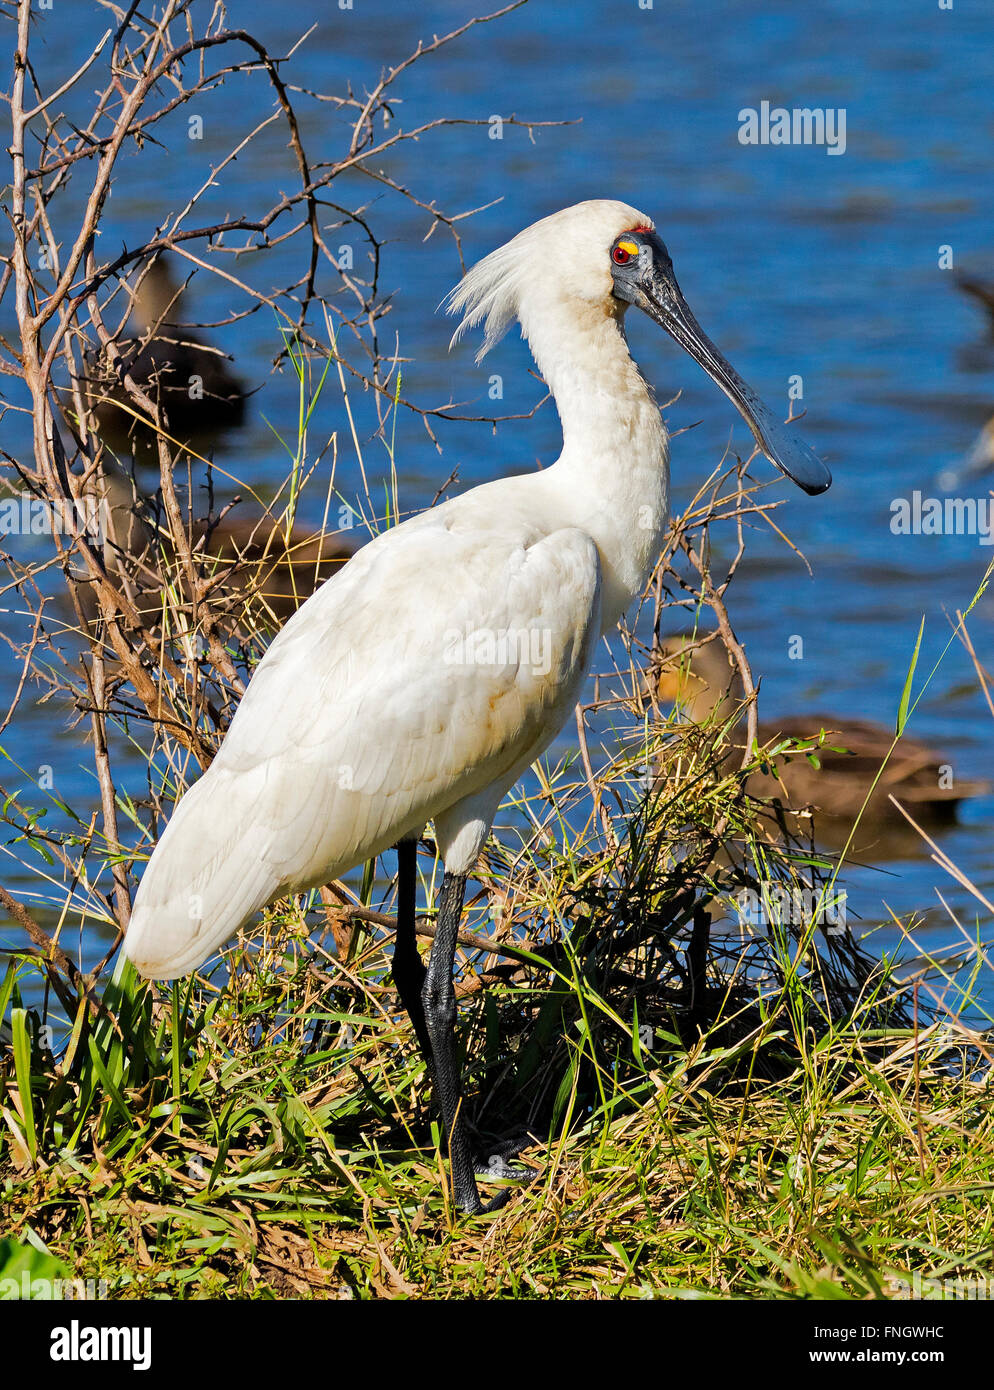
x=695, y=675
x=255, y=559
x=191, y=380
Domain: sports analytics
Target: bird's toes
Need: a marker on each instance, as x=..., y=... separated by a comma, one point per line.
x=500, y=1200
x=496, y=1167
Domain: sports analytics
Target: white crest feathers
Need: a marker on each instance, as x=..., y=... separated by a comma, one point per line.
x=575, y=240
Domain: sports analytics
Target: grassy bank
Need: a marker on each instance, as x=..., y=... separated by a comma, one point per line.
x=764, y=1113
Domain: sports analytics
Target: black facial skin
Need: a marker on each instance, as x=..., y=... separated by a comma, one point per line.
x=647, y=281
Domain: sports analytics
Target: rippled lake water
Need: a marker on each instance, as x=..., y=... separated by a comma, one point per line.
x=798, y=262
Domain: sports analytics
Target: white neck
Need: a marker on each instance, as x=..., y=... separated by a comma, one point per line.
x=612, y=477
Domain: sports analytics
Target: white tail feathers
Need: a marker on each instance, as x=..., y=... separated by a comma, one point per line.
x=204, y=881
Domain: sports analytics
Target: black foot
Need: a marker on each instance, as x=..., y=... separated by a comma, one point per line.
x=491, y=1158
x=501, y=1200
x=496, y=1168
x=474, y=1207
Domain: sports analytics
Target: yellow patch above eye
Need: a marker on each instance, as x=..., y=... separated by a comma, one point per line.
x=630, y=246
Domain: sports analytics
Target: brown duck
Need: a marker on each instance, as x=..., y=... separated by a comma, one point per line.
x=242, y=558
x=199, y=395
x=700, y=681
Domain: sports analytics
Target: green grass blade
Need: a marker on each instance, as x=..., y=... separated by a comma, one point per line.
x=902, y=713
x=21, y=1041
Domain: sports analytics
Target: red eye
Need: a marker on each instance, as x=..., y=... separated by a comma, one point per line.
x=621, y=255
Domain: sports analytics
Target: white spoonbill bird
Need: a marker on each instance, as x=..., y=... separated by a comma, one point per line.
x=424, y=678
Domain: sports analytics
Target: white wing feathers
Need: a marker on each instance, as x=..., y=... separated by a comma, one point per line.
x=440, y=661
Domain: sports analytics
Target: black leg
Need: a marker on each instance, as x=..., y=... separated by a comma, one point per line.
x=429, y=998
x=440, y=1015
x=408, y=968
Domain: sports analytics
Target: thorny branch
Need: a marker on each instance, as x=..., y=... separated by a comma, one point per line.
x=148, y=637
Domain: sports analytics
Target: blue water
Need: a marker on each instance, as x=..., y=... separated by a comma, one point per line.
x=797, y=262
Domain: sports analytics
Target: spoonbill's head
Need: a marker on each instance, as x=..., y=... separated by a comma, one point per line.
x=596, y=259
